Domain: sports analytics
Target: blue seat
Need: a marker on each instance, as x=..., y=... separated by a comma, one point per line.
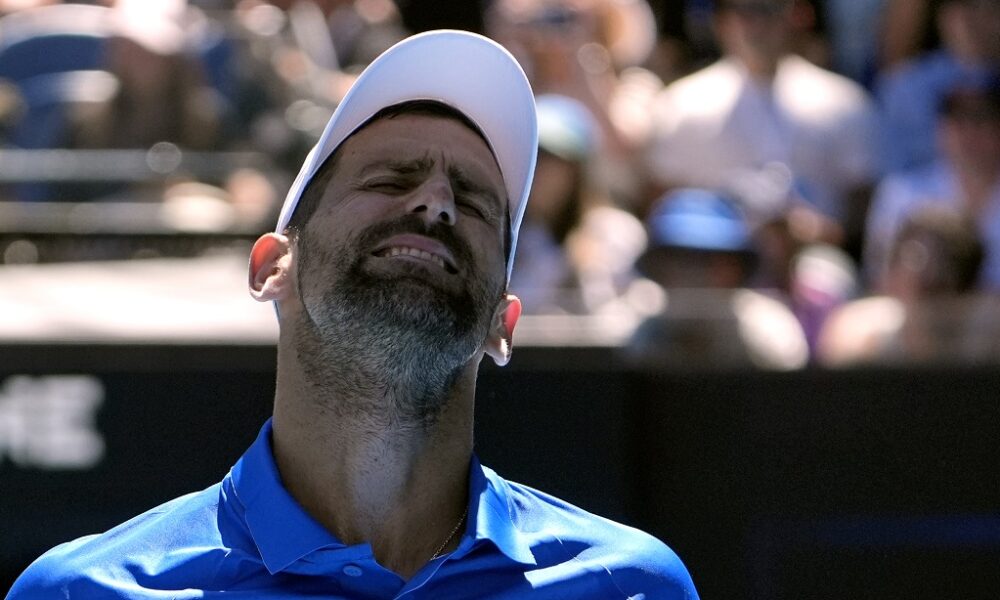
x=52, y=39
x=43, y=52
x=48, y=100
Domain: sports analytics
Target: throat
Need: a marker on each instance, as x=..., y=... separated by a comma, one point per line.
x=401, y=492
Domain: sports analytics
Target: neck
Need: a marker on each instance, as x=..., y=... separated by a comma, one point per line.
x=761, y=69
x=371, y=453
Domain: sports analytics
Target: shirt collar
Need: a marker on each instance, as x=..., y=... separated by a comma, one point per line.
x=491, y=516
x=285, y=533
x=280, y=527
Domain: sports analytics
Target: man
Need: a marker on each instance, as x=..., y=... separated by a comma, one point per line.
x=910, y=95
x=702, y=253
x=762, y=109
x=965, y=178
x=388, y=271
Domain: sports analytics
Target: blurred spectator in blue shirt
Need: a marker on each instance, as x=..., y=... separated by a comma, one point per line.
x=910, y=94
x=926, y=310
x=966, y=178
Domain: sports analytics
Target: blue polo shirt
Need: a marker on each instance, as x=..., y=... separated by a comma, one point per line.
x=246, y=537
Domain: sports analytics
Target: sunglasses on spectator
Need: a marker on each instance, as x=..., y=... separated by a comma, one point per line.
x=556, y=18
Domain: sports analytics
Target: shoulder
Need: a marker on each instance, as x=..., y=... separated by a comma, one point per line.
x=809, y=86
x=106, y=565
x=637, y=562
x=860, y=331
x=721, y=72
x=773, y=335
x=919, y=77
x=706, y=93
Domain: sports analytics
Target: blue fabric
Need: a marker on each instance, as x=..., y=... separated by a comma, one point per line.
x=909, y=98
x=246, y=537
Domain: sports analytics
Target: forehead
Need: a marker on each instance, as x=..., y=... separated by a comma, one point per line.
x=427, y=137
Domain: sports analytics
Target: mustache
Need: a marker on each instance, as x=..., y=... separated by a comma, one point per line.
x=411, y=223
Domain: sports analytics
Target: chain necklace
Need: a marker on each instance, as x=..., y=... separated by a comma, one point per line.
x=437, y=553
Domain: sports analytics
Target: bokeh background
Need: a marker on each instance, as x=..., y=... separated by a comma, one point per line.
x=759, y=266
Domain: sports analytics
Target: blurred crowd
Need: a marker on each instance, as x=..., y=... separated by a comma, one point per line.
x=763, y=183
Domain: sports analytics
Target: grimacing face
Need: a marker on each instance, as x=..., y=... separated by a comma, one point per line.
x=408, y=237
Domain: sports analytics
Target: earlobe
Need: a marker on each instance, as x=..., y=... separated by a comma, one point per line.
x=270, y=267
x=499, y=345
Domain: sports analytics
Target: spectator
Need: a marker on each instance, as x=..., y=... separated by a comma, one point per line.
x=965, y=178
x=938, y=253
x=589, y=50
x=909, y=95
x=701, y=253
x=854, y=27
x=575, y=250
x=823, y=278
x=926, y=310
x=760, y=106
x=293, y=60
x=162, y=94
x=907, y=30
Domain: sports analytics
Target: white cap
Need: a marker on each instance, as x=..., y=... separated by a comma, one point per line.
x=463, y=70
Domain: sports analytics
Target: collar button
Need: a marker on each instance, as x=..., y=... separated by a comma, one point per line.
x=352, y=571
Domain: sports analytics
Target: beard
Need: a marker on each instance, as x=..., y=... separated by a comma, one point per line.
x=389, y=346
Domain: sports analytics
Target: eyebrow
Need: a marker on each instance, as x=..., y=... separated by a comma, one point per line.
x=403, y=167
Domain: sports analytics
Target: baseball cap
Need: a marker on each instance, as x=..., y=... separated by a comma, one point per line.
x=463, y=70
x=698, y=219
x=566, y=128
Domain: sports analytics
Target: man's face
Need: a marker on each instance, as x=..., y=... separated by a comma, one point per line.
x=408, y=236
x=754, y=29
x=970, y=135
x=972, y=27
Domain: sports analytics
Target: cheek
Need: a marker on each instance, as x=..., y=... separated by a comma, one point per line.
x=344, y=221
x=487, y=245
x=495, y=261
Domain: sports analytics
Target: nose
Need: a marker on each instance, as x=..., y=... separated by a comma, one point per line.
x=434, y=201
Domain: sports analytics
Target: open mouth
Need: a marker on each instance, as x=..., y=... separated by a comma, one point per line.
x=407, y=252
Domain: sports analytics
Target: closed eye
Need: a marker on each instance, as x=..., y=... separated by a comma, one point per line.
x=470, y=208
x=388, y=185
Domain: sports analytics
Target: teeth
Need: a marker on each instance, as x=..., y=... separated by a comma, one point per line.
x=416, y=253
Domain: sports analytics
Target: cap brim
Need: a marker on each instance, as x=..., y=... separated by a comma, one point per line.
x=466, y=71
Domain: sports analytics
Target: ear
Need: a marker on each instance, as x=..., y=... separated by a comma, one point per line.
x=270, y=268
x=499, y=344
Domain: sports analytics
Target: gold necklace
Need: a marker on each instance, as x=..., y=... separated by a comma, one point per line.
x=437, y=553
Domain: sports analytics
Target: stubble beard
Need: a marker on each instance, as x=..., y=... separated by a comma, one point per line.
x=385, y=350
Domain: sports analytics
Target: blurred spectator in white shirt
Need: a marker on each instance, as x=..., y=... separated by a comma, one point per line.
x=761, y=106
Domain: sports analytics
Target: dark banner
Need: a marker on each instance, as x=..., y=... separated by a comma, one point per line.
x=859, y=484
